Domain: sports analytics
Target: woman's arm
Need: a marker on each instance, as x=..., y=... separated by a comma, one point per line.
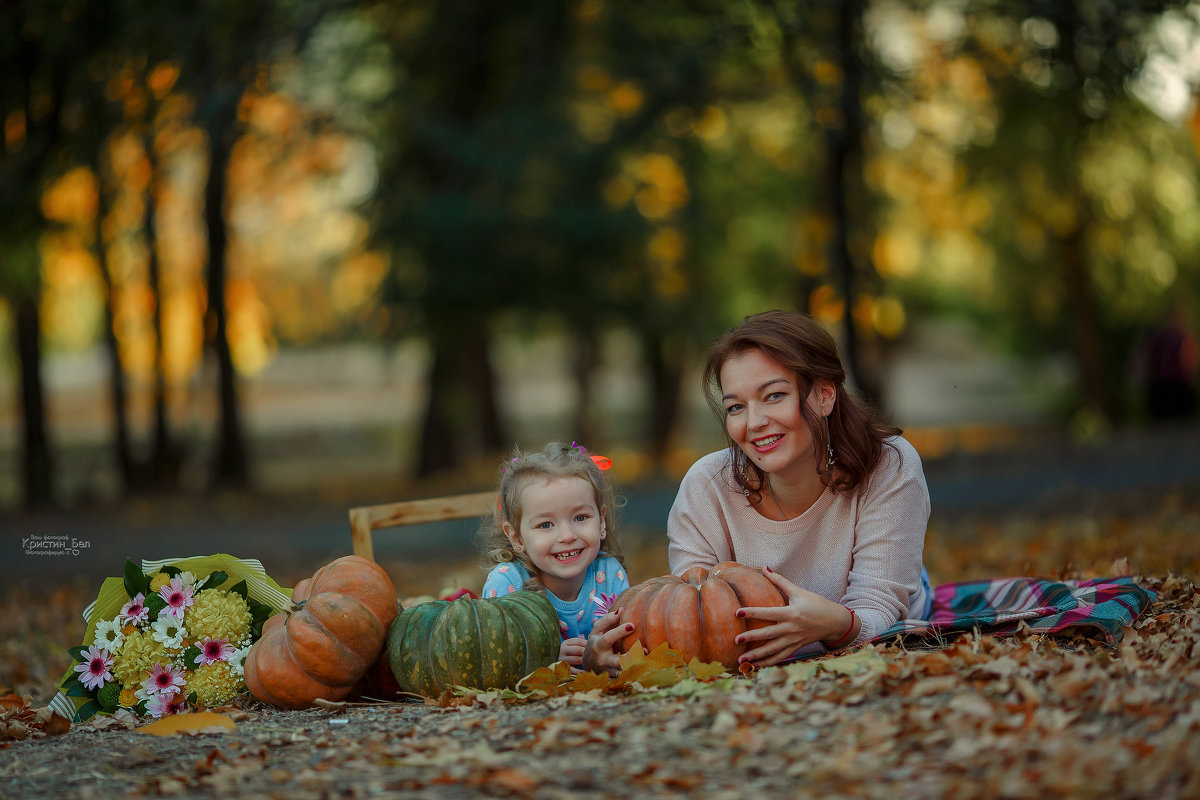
x=697, y=527
x=889, y=541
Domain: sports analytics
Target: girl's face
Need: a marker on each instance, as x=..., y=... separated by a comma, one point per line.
x=561, y=530
x=763, y=415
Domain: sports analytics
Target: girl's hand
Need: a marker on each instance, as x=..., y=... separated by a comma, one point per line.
x=808, y=617
x=571, y=651
x=601, y=654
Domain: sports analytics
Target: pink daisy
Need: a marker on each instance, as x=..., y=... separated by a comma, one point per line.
x=93, y=672
x=177, y=596
x=604, y=603
x=164, y=705
x=164, y=680
x=214, y=650
x=135, y=610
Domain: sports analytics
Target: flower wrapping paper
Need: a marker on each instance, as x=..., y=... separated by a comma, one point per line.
x=112, y=597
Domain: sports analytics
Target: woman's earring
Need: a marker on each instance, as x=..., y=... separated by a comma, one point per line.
x=520, y=548
x=828, y=447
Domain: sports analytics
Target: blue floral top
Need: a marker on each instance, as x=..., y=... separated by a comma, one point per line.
x=605, y=576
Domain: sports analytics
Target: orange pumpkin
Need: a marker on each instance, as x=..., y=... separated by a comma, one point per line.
x=696, y=613
x=330, y=637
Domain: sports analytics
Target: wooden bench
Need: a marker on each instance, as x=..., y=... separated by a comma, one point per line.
x=365, y=520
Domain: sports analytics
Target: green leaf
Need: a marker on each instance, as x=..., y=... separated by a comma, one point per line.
x=136, y=581
x=189, y=656
x=70, y=683
x=172, y=571
x=191, y=698
x=77, y=653
x=215, y=579
x=240, y=590
x=87, y=711
x=79, y=690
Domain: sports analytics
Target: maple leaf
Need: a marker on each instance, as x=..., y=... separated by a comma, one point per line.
x=547, y=680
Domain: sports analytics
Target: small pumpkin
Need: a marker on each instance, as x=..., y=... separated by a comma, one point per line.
x=328, y=639
x=479, y=643
x=696, y=613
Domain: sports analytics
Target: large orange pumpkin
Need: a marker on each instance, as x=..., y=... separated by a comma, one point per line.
x=696, y=613
x=330, y=637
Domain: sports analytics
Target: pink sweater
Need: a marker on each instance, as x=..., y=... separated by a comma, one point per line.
x=862, y=550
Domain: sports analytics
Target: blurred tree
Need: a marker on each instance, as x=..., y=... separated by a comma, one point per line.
x=45, y=51
x=1061, y=73
x=223, y=49
x=509, y=125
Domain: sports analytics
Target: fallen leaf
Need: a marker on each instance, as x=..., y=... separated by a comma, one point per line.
x=196, y=722
x=329, y=705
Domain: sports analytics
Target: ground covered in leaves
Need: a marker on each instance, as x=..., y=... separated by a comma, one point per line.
x=973, y=717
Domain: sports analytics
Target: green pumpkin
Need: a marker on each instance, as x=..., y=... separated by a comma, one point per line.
x=481, y=644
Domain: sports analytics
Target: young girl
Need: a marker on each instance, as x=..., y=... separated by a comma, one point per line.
x=553, y=531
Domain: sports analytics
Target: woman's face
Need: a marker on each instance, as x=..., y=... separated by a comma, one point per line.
x=763, y=414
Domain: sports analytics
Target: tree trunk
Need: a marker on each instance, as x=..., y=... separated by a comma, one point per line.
x=122, y=453
x=163, y=462
x=35, y=456
x=583, y=366
x=461, y=416
x=229, y=467
x=845, y=158
x=665, y=377
x=1089, y=345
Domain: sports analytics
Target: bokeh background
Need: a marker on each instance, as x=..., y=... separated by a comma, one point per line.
x=262, y=261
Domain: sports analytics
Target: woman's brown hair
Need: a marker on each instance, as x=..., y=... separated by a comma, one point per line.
x=801, y=345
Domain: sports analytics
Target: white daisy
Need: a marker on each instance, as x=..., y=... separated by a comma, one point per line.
x=237, y=661
x=109, y=635
x=168, y=629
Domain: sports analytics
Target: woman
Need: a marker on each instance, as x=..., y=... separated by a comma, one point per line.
x=831, y=503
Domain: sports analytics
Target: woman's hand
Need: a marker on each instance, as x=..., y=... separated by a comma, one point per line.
x=601, y=653
x=571, y=651
x=808, y=617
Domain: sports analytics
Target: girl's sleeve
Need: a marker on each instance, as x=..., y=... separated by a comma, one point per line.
x=503, y=579
x=889, y=542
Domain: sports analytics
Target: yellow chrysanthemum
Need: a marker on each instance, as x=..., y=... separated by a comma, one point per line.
x=137, y=655
x=218, y=614
x=128, y=697
x=213, y=684
x=159, y=581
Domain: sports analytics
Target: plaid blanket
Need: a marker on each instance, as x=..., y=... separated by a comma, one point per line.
x=999, y=606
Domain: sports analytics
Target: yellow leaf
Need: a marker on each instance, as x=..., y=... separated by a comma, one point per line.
x=705, y=671
x=197, y=722
x=636, y=655
x=853, y=663
x=587, y=681
x=664, y=657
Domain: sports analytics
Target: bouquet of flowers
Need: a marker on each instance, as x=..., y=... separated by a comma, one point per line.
x=169, y=635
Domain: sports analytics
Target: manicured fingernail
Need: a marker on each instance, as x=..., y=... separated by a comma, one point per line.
x=742, y=660
x=741, y=613
x=628, y=627
x=768, y=569
x=739, y=640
